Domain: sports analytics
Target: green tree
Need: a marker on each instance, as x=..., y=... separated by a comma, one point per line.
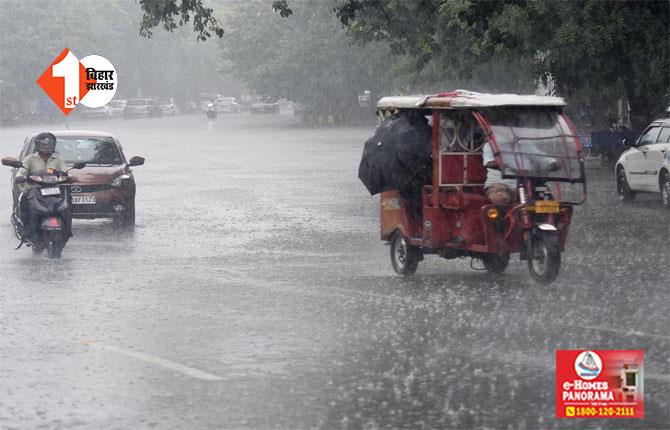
x=590, y=50
x=305, y=57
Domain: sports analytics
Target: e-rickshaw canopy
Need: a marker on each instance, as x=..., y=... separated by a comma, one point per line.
x=464, y=99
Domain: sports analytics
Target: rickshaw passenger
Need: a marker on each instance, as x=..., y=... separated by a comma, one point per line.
x=500, y=191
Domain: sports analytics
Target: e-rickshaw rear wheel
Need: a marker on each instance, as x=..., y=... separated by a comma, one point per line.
x=545, y=259
x=496, y=263
x=404, y=257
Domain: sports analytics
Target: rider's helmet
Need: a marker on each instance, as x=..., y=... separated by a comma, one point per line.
x=45, y=143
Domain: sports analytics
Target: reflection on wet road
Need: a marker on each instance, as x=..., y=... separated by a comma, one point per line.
x=255, y=292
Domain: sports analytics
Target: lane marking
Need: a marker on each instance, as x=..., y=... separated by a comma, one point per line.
x=170, y=365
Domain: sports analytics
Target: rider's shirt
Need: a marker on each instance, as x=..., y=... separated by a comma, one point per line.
x=34, y=165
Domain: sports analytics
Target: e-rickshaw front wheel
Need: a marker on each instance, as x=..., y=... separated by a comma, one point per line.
x=545, y=257
x=404, y=257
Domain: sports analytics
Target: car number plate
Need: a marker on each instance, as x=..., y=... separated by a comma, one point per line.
x=53, y=191
x=547, y=207
x=83, y=199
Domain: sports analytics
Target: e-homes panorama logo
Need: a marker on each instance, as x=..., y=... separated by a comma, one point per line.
x=68, y=81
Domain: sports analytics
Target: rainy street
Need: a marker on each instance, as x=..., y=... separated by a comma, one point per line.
x=255, y=292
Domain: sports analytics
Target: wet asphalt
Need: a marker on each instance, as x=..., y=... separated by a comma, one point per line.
x=255, y=293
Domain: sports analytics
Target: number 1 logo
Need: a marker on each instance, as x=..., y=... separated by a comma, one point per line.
x=65, y=81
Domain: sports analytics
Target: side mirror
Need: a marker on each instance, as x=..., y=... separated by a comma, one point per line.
x=12, y=162
x=629, y=142
x=136, y=161
x=79, y=165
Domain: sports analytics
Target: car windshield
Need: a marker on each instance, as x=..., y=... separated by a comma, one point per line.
x=90, y=150
x=534, y=142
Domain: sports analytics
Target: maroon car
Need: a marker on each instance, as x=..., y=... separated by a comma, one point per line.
x=105, y=188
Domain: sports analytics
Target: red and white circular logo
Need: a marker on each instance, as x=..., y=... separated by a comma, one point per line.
x=68, y=81
x=588, y=365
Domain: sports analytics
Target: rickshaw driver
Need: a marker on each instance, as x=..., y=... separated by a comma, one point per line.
x=500, y=191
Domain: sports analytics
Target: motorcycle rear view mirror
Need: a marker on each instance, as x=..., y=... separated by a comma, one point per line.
x=12, y=162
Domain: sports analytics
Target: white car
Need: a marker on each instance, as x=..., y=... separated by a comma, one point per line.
x=227, y=105
x=645, y=166
x=116, y=107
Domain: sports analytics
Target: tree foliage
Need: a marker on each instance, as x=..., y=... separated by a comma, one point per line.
x=592, y=50
x=306, y=57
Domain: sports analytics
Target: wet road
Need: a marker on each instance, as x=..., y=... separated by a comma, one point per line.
x=255, y=292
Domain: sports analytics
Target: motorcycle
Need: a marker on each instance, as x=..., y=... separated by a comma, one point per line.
x=49, y=207
x=211, y=111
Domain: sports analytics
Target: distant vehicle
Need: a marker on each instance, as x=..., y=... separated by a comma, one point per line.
x=607, y=145
x=116, y=107
x=227, y=105
x=168, y=106
x=205, y=98
x=645, y=166
x=105, y=187
x=211, y=111
x=99, y=112
x=265, y=104
x=300, y=109
x=142, y=107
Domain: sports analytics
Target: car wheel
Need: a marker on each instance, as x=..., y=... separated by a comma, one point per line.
x=126, y=219
x=665, y=190
x=404, y=257
x=496, y=263
x=623, y=190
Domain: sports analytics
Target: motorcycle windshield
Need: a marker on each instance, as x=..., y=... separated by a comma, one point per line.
x=535, y=142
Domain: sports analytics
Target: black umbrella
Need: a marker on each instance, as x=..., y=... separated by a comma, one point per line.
x=398, y=156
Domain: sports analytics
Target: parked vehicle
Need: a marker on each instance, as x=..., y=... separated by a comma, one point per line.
x=645, y=166
x=227, y=105
x=103, y=112
x=116, y=107
x=142, y=107
x=169, y=107
x=105, y=187
x=432, y=179
x=49, y=204
x=608, y=145
x=265, y=104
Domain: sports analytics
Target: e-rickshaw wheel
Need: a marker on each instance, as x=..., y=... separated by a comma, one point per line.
x=496, y=263
x=545, y=259
x=404, y=257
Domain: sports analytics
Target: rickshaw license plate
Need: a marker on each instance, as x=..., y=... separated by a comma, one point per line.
x=547, y=207
x=53, y=191
x=83, y=199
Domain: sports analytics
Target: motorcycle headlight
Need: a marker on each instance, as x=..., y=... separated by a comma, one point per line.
x=119, y=180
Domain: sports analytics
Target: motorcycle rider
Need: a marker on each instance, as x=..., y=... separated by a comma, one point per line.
x=44, y=160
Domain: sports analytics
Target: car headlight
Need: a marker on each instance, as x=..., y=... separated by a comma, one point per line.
x=119, y=180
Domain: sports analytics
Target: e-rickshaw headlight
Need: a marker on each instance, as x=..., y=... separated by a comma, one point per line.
x=493, y=213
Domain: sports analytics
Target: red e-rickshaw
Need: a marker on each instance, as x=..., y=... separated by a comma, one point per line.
x=533, y=146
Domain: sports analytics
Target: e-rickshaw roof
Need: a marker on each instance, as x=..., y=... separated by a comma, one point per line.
x=463, y=99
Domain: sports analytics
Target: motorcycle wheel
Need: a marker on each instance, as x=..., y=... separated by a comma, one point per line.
x=37, y=249
x=545, y=259
x=54, y=245
x=496, y=263
x=404, y=257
